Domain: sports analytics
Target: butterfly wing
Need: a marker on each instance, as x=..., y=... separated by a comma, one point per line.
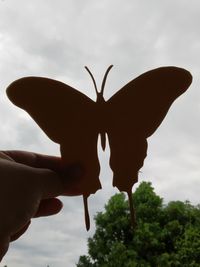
x=134, y=113
x=67, y=117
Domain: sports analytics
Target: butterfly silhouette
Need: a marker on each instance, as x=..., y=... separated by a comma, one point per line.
x=129, y=117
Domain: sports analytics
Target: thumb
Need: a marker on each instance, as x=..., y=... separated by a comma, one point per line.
x=51, y=183
x=62, y=182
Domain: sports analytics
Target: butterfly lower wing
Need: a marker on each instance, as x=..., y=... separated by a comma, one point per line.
x=134, y=113
x=68, y=117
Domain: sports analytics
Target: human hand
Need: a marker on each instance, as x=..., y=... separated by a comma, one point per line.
x=29, y=185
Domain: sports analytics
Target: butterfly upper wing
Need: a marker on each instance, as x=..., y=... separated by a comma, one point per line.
x=52, y=104
x=144, y=101
x=134, y=113
x=67, y=117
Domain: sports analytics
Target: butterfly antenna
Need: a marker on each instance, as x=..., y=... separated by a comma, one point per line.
x=132, y=211
x=104, y=79
x=94, y=82
x=87, y=216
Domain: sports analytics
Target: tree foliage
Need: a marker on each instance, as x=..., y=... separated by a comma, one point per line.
x=165, y=235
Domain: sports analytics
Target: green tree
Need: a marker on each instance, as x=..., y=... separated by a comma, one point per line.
x=165, y=235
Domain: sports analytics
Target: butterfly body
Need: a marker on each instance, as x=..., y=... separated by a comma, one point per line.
x=129, y=117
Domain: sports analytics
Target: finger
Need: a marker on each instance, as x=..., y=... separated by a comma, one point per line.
x=38, y=183
x=5, y=156
x=70, y=175
x=34, y=159
x=49, y=184
x=49, y=207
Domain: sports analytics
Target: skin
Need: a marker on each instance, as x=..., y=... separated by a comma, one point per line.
x=29, y=186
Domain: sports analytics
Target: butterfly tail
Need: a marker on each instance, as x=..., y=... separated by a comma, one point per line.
x=131, y=207
x=87, y=216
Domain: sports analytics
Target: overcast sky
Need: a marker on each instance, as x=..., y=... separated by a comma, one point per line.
x=57, y=39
